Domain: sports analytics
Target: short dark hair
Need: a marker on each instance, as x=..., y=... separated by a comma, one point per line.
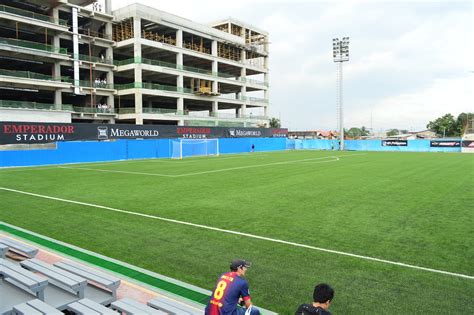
x=323, y=293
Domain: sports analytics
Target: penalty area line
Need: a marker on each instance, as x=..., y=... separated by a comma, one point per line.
x=273, y=240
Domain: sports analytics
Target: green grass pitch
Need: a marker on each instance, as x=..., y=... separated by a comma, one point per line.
x=413, y=208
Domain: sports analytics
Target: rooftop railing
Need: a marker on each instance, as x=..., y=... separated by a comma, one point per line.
x=33, y=15
x=34, y=105
x=32, y=45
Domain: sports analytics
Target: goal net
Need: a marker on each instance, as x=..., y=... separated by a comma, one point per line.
x=194, y=147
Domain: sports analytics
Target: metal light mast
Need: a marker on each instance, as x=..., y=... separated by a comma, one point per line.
x=340, y=52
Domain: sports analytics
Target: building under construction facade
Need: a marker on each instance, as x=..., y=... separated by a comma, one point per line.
x=79, y=61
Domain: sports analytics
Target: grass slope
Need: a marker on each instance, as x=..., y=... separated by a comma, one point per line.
x=415, y=208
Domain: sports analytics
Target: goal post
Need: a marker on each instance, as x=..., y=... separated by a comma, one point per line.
x=181, y=148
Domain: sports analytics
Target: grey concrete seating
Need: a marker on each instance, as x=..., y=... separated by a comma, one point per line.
x=93, y=275
x=23, y=278
x=18, y=247
x=89, y=307
x=35, y=307
x=59, y=277
x=3, y=250
x=172, y=307
x=132, y=307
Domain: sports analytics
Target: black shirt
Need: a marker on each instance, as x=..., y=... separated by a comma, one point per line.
x=308, y=309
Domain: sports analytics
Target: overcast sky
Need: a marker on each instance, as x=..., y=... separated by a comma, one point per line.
x=411, y=61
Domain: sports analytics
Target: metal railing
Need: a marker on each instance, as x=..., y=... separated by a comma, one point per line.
x=90, y=33
x=33, y=15
x=32, y=75
x=162, y=111
x=94, y=110
x=254, y=99
x=93, y=59
x=93, y=85
x=32, y=45
x=35, y=105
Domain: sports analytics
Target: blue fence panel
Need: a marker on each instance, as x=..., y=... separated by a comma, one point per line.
x=98, y=151
x=312, y=144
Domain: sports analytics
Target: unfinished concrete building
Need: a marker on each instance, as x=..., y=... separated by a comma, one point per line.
x=77, y=61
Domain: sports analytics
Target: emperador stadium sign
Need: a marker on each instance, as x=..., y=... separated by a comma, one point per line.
x=24, y=132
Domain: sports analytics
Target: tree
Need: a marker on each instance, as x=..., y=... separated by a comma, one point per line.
x=275, y=123
x=356, y=132
x=461, y=122
x=393, y=132
x=444, y=126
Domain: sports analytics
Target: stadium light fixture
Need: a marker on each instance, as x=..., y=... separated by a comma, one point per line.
x=340, y=53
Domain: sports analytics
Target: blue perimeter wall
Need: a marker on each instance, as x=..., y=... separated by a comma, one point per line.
x=95, y=151
x=366, y=145
x=98, y=151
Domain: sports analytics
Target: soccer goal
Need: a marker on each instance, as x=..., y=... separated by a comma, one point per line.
x=194, y=147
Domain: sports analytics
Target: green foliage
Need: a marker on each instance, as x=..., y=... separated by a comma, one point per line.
x=356, y=132
x=275, y=123
x=414, y=208
x=393, y=132
x=448, y=126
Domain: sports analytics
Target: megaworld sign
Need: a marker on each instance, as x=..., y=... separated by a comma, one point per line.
x=21, y=132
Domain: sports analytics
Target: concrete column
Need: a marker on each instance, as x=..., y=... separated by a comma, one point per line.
x=215, y=109
x=111, y=101
x=179, y=60
x=265, y=111
x=108, y=6
x=58, y=99
x=180, y=81
x=237, y=112
x=139, y=107
x=179, y=38
x=215, y=85
x=55, y=15
x=214, y=48
x=180, y=106
x=243, y=110
x=108, y=31
x=243, y=56
x=137, y=27
x=243, y=92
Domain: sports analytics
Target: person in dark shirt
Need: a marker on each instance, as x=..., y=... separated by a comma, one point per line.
x=322, y=298
x=231, y=288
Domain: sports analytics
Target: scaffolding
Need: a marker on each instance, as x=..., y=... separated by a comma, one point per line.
x=202, y=87
x=236, y=30
x=158, y=38
x=228, y=52
x=223, y=27
x=122, y=30
x=196, y=46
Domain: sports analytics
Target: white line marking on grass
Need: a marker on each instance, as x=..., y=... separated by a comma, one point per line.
x=115, y=171
x=200, y=173
x=244, y=234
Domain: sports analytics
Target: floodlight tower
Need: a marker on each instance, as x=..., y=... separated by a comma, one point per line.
x=340, y=52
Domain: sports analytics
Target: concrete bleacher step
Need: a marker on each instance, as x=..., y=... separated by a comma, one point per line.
x=35, y=307
x=3, y=250
x=22, y=278
x=91, y=274
x=132, y=307
x=89, y=307
x=59, y=277
x=173, y=307
x=18, y=247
